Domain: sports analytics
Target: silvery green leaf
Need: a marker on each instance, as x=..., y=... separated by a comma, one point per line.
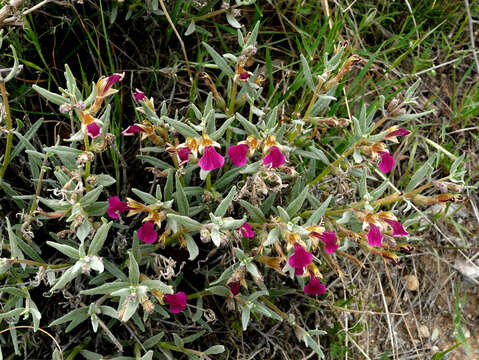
x=72, y=315
x=15, y=66
x=219, y=133
x=225, y=203
x=357, y=156
x=152, y=341
x=251, y=168
x=307, y=72
x=134, y=271
x=178, y=341
x=15, y=251
x=408, y=95
x=105, y=180
x=67, y=276
x=99, y=238
x=83, y=231
x=107, y=288
x=105, y=119
x=145, y=197
x=409, y=117
x=271, y=118
x=185, y=221
x=191, y=246
x=319, y=155
x=69, y=251
x=248, y=126
x=363, y=184
x=158, y=285
x=311, y=343
x=245, y=314
x=91, y=196
x=231, y=57
x=253, y=270
x=421, y=174
x=147, y=356
x=168, y=190
x=254, y=212
x=91, y=98
x=122, y=292
x=96, y=263
x=132, y=305
x=457, y=170
x=323, y=102
x=182, y=128
x=318, y=214
x=219, y=61
x=216, y=349
x=204, y=174
x=11, y=313
x=191, y=29
x=379, y=191
x=180, y=197
x=54, y=98
x=345, y=218
x=297, y=203
x=216, y=237
x=94, y=322
x=219, y=290
x=273, y=236
x=230, y=224
x=283, y=214
x=232, y=20
x=78, y=136
x=253, y=35
x=240, y=38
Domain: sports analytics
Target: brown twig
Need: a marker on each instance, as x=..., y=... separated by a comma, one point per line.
x=163, y=7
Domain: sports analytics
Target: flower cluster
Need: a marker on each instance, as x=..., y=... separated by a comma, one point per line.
x=379, y=149
x=272, y=155
x=381, y=221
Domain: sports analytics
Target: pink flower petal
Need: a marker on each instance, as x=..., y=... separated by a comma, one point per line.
x=375, y=238
x=147, y=233
x=274, y=157
x=113, y=79
x=93, y=130
x=246, y=230
x=387, y=162
x=139, y=95
x=235, y=287
x=132, y=130
x=398, y=229
x=329, y=238
x=183, y=154
x=116, y=207
x=237, y=154
x=177, y=301
x=300, y=259
x=315, y=287
x=211, y=160
x=398, y=132
x=244, y=76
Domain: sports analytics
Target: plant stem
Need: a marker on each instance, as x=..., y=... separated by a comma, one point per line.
x=86, y=175
x=8, y=147
x=231, y=106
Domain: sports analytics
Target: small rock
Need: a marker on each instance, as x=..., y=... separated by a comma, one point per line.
x=411, y=282
x=424, y=331
x=435, y=334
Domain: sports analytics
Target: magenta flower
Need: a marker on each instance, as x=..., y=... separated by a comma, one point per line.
x=235, y=287
x=147, y=233
x=244, y=76
x=116, y=207
x=139, y=95
x=93, y=130
x=237, y=154
x=387, y=162
x=398, y=229
x=113, y=79
x=274, y=157
x=300, y=259
x=398, y=132
x=132, y=130
x=183, y=154
x=177, y=301
x=329, y=239
x=375, y=238
x=246, y=230
x=315, y=287
x=211, y=160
